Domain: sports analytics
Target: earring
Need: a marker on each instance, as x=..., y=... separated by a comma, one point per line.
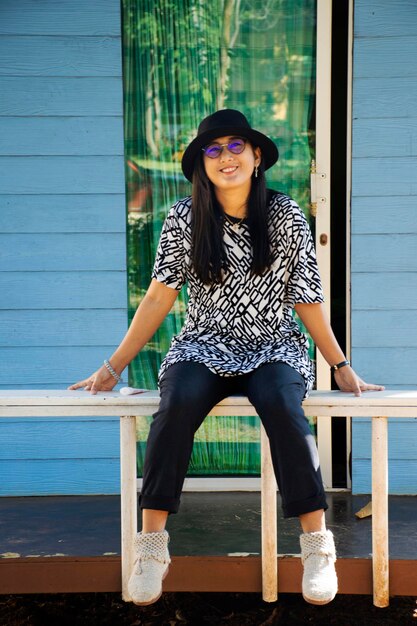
x=256, y=171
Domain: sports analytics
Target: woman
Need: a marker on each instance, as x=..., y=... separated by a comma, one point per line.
x=248, y=258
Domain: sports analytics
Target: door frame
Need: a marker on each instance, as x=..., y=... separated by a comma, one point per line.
x=323, y=186
x=322, y=223
x=323, y=218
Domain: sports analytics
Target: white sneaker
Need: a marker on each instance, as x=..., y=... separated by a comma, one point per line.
x=150, y=568
x=318, y=556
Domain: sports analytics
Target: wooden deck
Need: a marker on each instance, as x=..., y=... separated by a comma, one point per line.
x=72, y=544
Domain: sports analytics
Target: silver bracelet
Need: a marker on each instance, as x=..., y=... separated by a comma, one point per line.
x=112, y=372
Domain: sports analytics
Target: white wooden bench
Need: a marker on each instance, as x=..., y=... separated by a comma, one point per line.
x=378, y=405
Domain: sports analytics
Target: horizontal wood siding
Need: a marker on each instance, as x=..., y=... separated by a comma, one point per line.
x=48, y=174
x=384, y=224
x=60, y=136
x=46, y=477
x=62, y=252
x=97, y=56
x=401, y=479
x=71, y=289
x=56, y=213
x=59, y=365
x=51, y=440
x=58, y=329
x=50, y=96
x=49, y=17
x=63, y=277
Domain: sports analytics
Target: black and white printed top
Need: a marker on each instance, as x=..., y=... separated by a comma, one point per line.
x=246, y=321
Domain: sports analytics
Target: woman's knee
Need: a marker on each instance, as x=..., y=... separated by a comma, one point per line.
x=279, y=400
x=187, y=382
x=276, y=388
x=176, y=399
x=185, y=401
x=174, y=414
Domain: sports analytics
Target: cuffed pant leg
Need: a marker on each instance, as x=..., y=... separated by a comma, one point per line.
x=276, y=390
x=188, y=391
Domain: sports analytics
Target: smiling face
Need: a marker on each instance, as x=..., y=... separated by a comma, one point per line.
x=232, y=171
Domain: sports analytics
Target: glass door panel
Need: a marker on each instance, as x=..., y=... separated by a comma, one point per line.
x=183, y=60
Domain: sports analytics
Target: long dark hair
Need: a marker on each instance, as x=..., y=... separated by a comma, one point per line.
x=207, y=253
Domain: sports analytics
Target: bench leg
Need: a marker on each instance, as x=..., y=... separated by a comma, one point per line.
x=380, y=552
x=269, y=523
x=128, y=499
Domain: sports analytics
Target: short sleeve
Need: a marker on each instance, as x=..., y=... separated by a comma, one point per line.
x=303, y=277
x=169, y=266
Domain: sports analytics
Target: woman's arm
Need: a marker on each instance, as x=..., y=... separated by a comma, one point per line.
x=315, y=319
x=150, y=314
x=155, y=306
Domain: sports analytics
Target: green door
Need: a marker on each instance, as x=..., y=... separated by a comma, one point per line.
x=183, y=59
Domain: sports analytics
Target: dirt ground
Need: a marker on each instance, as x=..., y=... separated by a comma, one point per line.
x=199, y=609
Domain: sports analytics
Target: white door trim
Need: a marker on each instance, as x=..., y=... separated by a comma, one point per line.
x=223, y=483
x=348, y=219
x=323, y=223
x=323, y=156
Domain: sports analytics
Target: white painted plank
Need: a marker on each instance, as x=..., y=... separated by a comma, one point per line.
x=36, y=410
x=25, y=55
x=380, y=550
x=62, y=252
x=95, y=17
x=318, y=400
x=128, y=499
x=62, y=174
x=268, y=523
x=219, y=483
x=63, y=290
x=37, y=386
x=42, y=136
x=28, y=328
x=61, y=96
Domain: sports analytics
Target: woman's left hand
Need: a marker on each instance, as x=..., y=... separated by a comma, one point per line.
x=348, y=380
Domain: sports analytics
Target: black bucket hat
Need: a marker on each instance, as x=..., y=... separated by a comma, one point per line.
x=227, y=122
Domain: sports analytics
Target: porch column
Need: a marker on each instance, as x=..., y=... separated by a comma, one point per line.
x=269, y=523
x=128, y=498
x=380, y=552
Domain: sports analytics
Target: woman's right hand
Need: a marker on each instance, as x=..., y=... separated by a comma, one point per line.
x=101, y=380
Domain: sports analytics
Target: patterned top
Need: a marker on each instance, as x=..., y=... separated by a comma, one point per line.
x=246, y=321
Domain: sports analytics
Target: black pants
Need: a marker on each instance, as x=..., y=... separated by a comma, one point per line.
x=188, y=392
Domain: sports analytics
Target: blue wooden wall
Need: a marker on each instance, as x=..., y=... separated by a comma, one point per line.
x=62, y=229
x=384, y=224
x=63, y=282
